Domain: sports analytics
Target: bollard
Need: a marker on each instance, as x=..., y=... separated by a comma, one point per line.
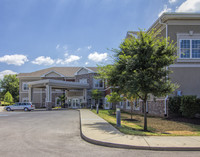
x=118, y=117
x=97, y=108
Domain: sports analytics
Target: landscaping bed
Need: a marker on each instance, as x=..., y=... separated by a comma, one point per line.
x=156, y=125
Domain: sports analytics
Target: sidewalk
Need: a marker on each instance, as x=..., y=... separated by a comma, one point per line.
x=1, y=108
x=97, y=131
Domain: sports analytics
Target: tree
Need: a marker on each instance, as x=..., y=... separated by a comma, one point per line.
x=114, y=98
x=8, y=97
x=10, y=83
x=62, y=100
x=140, y=67
x=96, y=95
x=131, y=97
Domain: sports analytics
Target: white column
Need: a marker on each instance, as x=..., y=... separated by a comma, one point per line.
x=30, y=94
x=48, y=93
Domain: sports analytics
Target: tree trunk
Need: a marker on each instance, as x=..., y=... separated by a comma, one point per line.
x=145, y=116
x=131, y=109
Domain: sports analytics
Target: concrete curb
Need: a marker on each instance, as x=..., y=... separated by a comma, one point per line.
x=116, y=145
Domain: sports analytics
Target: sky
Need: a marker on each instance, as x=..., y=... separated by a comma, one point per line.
x=38, y=34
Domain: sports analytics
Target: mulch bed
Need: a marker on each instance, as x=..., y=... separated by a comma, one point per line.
x=186, y=120
x=131, y=120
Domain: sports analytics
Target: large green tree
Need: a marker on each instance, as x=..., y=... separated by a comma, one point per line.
x=140, y=67
x=10, y=83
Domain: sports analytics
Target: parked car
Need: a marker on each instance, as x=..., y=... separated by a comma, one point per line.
x=26, y=106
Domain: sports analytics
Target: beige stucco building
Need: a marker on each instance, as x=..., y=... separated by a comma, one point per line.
x=183, y=29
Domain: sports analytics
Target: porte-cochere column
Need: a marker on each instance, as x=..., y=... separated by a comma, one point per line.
x=30, y=93
x=48, y=102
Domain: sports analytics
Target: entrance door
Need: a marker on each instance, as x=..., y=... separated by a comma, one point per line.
x=75, y=103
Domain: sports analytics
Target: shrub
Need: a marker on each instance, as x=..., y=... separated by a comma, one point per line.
x=8, y=97
x=189, y=106
x=174, y=105
x=186, y=106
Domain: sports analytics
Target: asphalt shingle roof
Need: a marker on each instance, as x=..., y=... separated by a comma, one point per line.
x=66, y=71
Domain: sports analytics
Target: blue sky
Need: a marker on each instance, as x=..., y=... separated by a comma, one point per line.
x=37, y=34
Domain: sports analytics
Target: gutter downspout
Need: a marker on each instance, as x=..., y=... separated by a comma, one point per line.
x=166, y=26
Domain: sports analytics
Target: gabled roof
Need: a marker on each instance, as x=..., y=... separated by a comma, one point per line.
x=44, y=75
x=88, y=69
x=65, y=71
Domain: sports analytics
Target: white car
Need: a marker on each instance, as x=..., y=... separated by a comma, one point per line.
x=26, y=106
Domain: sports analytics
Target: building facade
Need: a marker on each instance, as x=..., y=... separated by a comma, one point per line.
x=44, y=87
x=183, y=29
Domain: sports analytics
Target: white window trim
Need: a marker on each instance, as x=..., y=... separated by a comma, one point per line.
x=23, y=86
x=190, y=49
x=25, y=98
x=85, y=80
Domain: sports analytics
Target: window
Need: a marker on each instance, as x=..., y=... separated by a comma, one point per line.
x=189, y=49
x=83, y=80
x=195, y=48
x=25, y=86
x=25, y=99
x=137, y=104
x=122, y=104
x=127, y=104
x=98, y=83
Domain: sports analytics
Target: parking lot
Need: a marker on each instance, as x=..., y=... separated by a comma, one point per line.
x=55, y=133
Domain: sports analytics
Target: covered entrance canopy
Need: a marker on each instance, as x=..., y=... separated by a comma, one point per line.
x=50, y=84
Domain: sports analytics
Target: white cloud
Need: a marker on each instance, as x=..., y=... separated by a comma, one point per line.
x=97, y=57
x=66, y=54
x=189, y=6
x=59, y=61
x=172, y=1
x=6, y=72
x=57, y=47
x=16, y=59
x=43, y=60
x=89, y=47
x=68, y=60
x=86, y=63
x=72, y=58
x=165, y=9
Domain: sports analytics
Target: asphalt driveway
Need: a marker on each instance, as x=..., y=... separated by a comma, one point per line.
x=55, y=134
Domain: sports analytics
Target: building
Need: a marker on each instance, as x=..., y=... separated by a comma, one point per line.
x=44, y=87
x=184, y=30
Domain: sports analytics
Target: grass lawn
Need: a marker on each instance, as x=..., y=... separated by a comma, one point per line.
x=156, y=125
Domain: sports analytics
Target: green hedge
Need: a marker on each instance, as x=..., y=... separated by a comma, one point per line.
x=174, y=105
x=186, y=106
